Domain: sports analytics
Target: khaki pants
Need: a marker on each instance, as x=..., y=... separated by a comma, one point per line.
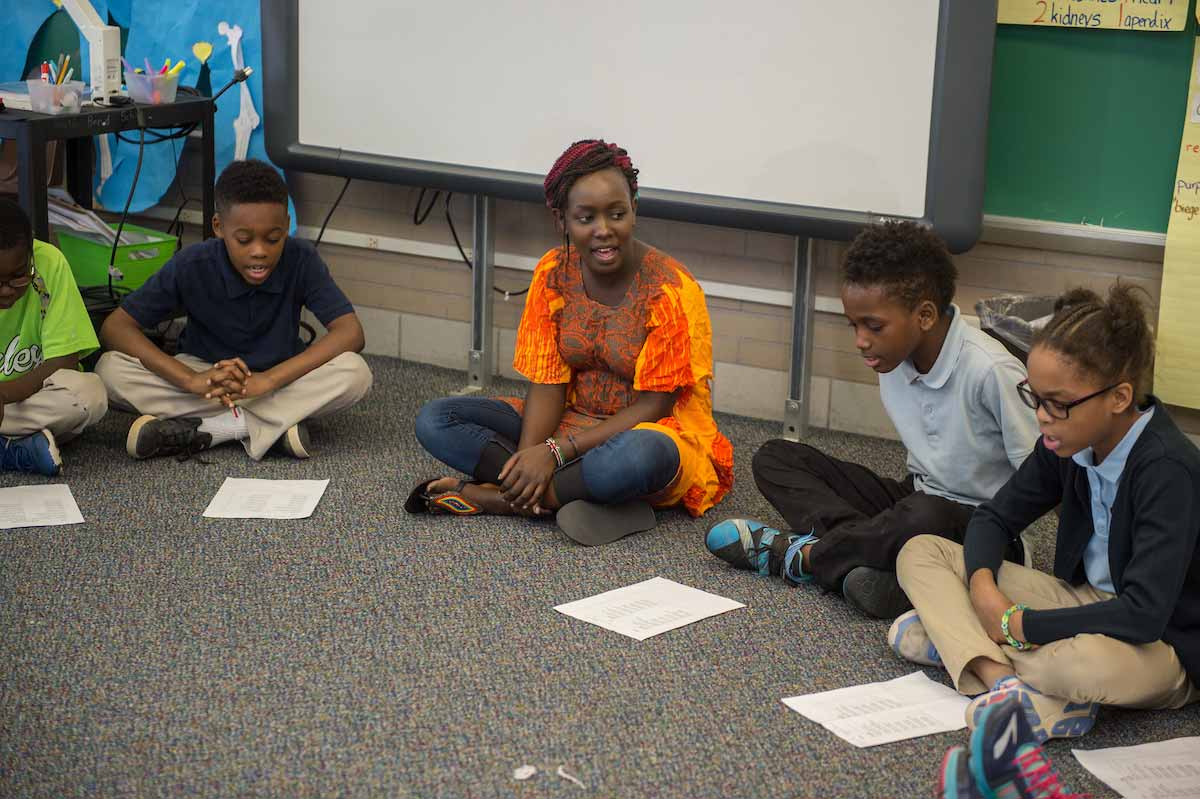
x=68, y=402
x=327, y=389
x=1083, y=668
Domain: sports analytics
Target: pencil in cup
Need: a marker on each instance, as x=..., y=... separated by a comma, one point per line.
x=55, y=98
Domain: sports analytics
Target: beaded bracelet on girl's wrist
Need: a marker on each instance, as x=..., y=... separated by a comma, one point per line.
x=1004, y=620
x=555, y=451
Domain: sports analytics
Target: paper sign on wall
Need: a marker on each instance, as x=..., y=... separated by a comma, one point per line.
x=1176, y=378
x=1132, y=15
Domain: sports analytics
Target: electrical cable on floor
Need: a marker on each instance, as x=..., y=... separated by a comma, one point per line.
x=176, y=224
x=419, y=217
x=105, y=299
x=463, y=253
x=328, y=216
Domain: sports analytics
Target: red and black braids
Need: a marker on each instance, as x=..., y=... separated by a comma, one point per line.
x=583, y=158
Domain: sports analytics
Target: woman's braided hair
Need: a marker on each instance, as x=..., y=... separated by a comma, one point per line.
x=583, y=158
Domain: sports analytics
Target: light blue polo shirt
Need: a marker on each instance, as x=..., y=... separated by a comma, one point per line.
x=1103, y=482
x=966, y=428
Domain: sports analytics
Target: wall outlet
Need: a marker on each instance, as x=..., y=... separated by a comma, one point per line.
x=372, y=243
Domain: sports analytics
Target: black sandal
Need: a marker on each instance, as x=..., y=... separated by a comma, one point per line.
x=453, y=501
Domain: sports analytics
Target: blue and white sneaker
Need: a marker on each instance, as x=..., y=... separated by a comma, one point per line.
x=956, y=781
x=1047, y=716
x=754, y=546
x=35, y=454
x=1006, y=759
x=908, y=639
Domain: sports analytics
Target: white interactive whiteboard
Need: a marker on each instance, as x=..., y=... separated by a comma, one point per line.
x=804, y=116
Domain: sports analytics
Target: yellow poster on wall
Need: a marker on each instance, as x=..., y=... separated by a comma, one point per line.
x=1132, y=15
x=1176, y=376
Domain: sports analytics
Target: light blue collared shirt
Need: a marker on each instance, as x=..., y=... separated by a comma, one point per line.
x=1103, y=482
x=964, y=425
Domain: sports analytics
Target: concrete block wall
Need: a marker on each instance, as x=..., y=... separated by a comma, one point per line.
x=418, y=306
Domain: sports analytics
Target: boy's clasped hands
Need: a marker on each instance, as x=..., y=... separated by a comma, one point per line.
x=229, y=381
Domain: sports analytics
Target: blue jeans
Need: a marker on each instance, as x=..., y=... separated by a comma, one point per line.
x=635, y=463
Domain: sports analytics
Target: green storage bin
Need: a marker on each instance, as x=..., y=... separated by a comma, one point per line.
x=88, y=256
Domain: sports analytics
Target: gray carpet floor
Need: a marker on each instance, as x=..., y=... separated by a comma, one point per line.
x=364, y=652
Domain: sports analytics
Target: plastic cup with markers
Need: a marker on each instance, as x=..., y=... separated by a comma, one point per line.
x=152, y=89
x=55, y=98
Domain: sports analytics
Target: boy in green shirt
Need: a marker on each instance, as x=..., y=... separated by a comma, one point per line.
x=44, y=331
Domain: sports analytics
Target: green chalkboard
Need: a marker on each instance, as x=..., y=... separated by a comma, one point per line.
x=1085, y=124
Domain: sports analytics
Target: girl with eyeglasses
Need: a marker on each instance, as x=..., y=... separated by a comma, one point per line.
x=44, y=332
x=1118, y=623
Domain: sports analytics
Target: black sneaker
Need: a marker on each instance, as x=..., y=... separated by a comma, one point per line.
x=151, y=437
x=295, y=442
x=876, y=592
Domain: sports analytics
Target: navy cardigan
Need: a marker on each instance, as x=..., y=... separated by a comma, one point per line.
x=1152, y=546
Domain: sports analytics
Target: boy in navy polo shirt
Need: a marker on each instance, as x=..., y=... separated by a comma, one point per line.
x=242, y=372
x=950, y=390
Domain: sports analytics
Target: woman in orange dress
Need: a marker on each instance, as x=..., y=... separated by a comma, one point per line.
x=616, y=343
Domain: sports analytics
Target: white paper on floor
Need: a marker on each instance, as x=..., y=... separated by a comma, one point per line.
x=248, y=498
x=38, y=506
x=645, y=609
x=883, y=712
x=1162, y=770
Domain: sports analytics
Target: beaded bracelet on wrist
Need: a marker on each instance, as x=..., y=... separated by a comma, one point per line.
x=1004, y=620
x=555, y=451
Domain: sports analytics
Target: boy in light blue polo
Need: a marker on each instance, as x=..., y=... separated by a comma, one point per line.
x=951, y=392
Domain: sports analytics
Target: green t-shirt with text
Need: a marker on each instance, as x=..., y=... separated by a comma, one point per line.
x=49, y=321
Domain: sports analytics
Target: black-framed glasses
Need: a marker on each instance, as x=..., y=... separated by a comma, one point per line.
x=1056, y=409
x=18, y=283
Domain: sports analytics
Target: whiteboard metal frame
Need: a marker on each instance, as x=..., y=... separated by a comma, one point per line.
x=953, y=189
x=957, y=143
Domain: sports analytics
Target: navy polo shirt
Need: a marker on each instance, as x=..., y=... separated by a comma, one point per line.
x=227, y=317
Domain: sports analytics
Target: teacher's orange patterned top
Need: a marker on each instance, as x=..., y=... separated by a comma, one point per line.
x=658, y=339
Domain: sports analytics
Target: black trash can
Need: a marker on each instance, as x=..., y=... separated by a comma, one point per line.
x=1013, y=319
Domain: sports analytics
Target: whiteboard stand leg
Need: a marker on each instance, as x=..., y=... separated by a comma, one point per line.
x=795, y=410
x=480, y=358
